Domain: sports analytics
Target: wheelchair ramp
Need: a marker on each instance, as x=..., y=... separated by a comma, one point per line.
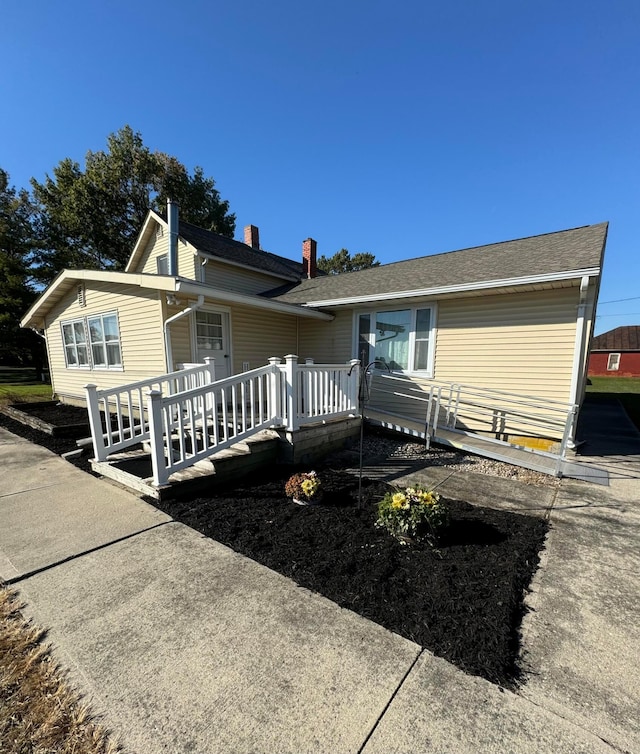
x=498, y=450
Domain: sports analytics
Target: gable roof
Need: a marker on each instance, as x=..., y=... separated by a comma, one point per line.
x=626, y=338
x=219, y=247
x=229, y=250
x=561, y=255
x=66, y=280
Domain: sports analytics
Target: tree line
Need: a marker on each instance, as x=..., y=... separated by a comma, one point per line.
x=89, y=217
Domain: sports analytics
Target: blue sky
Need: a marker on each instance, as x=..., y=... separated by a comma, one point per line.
x=403, y=129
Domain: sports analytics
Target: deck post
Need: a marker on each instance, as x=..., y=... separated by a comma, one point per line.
x=156, y=437
x=291, y=398
x=275, y=408
x=95, y=423
x=211, y=366
x=354, y=385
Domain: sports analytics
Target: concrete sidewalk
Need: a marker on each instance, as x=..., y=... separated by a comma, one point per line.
x=186, y=646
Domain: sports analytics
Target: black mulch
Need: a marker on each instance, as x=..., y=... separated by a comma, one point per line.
x=463, y=601
x=58, y=414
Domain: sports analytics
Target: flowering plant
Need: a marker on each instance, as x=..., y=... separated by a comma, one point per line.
x=303, y=487
x=412, y=513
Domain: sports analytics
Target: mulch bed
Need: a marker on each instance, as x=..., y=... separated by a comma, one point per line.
x=463, y=601
x=59, y=414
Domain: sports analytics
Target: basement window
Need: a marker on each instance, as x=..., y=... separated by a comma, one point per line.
x=403, y=339
x=613, y=363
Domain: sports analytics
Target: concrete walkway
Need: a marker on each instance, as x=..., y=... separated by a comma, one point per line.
x=186, y=646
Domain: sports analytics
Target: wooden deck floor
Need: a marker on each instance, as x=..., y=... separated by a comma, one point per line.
x=546, y=463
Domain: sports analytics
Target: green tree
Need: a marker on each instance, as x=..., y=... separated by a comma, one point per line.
x=17, y=346
x=90, y=218
x=343, y=261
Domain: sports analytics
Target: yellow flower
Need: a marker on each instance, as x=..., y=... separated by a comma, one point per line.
x=308, y=487
x=398, y=499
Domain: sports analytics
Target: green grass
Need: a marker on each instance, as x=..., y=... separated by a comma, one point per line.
x=625, y=389
x=19, y=384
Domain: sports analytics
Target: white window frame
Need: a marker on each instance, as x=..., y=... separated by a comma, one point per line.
x=106, y=366
x=427, y=373
x=162, y=260
x=71, y=323
x=84, y=321
x=613, y=362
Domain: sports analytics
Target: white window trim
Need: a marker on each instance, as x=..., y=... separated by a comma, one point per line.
x=105, y=367
x=425, y=373
x=227, y=325
x=162, y=259
x=90, y=366
x=72, y=322
x=615, y=368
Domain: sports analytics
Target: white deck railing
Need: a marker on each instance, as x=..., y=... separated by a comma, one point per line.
x=186, y=425
x=118, y=416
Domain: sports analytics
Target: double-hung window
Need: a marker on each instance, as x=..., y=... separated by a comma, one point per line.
x=92, y=342
x=403, y=339
x=74, y=336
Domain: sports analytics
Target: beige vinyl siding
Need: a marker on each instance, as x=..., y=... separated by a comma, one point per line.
x=141, y=342
x=231, y=278
x=179, y=333
x=256, y=335
x=520, y=343
x=327, y=342
x=159, y=245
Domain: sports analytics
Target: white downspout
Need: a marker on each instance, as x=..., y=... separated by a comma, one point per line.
x=167, y=335
x=578, y=354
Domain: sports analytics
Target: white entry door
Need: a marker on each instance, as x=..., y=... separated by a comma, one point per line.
x=211, y=338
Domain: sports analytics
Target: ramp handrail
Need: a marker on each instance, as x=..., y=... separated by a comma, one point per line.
x=472, y=409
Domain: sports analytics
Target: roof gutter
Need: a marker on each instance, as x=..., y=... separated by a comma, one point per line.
x=441, y=290
x=167, y=334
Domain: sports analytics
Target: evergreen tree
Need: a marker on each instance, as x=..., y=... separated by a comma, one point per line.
x=342, y=261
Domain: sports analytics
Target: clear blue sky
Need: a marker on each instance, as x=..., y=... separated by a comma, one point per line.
x=403, y=129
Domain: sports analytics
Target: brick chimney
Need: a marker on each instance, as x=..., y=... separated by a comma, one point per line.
x=309, y=248
x=252, y=236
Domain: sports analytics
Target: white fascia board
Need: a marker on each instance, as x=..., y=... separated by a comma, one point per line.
x=69, y=277
x=223, y=260
x=256, y=302
x=138, y=247
x=441, y=290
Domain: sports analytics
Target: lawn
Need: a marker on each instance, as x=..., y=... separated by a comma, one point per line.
x=39, y=712
x=18, y=384
x=625, y=389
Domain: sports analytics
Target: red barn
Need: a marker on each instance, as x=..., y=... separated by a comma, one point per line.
x=616, y=353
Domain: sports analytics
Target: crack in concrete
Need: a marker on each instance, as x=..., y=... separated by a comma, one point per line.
x=76, y=556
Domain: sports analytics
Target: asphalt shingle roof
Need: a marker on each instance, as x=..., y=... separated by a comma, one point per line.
x=563, y=251
x=235, y=251
x=625, y=338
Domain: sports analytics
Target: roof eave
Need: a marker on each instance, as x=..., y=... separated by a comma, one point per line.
x=224, y=260
x=34, y=317
x=448, y=289
x=256, y=302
